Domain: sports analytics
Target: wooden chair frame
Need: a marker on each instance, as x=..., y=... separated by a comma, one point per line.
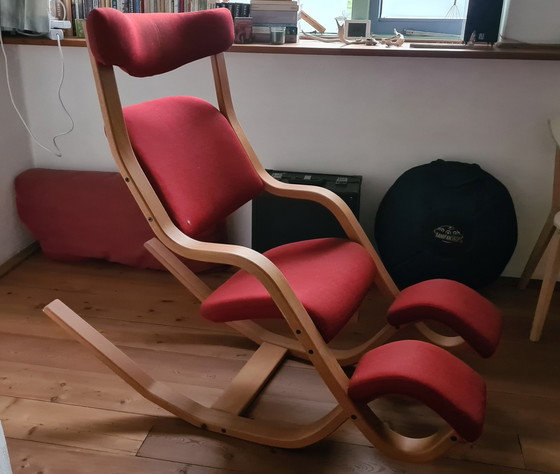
x=170, y=241
x=225, y=416
x=548, y=237
x=548, y=228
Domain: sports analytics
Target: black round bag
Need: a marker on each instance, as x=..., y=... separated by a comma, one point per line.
x=446, y=219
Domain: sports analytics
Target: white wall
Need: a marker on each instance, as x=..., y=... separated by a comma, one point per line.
x=354, y=115
x=15, y=156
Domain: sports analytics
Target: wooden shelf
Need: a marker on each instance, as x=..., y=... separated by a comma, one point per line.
x=416, y=50
x=70, y=41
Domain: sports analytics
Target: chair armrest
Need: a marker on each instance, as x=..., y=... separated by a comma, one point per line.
x=325, y=197
x=343, y=214
x=240, y=257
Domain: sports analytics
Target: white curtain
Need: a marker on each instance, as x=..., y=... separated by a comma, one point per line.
x=25, y=15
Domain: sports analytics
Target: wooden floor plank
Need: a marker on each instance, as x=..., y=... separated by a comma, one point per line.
x=541, y=447
x=165, y=366
x=175, y=440
x=105, y=391
x=77, y=387
x=170, y=306
x=81, y=427
x=33, y=457
x=186, y=340
x=57, y=398
x=520, y=366
x=5, y=402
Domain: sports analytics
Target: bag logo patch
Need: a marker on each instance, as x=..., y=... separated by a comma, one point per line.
x=448, y=234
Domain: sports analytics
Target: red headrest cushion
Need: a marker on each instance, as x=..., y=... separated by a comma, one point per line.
x=146, y=44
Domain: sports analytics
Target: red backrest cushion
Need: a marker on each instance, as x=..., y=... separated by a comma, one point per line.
x=147, y=44
x=193, y=158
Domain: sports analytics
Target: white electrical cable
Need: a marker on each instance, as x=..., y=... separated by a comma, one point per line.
x=60, y=97
x=57, y=152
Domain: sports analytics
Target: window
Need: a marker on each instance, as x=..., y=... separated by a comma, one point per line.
x=443, y=17
x=431, y=16
x=325, y=12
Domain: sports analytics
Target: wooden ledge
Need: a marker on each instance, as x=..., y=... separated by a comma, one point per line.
x=41, y=41
x=314, y=47
x=414, y=50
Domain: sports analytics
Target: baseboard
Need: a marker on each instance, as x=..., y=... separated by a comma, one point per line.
x=18, y=258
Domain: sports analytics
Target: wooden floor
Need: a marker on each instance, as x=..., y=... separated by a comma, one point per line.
x=64, y=412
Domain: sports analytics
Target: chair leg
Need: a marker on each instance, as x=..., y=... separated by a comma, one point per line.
x=248, y=383
x=547, y=288
x=222, y=417
x=178, y=269
x=282, y=435
x=538, y=251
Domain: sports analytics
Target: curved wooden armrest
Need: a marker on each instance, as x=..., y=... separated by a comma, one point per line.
x=325, y=197
x=238, y=256
x=343, y=214
x=257, y=265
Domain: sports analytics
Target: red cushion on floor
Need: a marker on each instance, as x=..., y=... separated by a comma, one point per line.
x=329, y=276
x=428, y=374
x=77, y=215
x=464, y=310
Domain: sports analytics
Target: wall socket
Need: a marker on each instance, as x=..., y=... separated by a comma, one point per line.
x=54, y=34
x=62, y=24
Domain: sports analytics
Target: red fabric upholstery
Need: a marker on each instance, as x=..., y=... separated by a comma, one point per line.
x=330, y=277
x=77, y=215
x=193, y=158
x=428, y=374
x=461, y=308
x=153, y=43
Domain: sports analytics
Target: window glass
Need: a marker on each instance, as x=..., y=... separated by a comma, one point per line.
x=423, y=9
x=325, y=12
x=437, y=16
x=412, y=17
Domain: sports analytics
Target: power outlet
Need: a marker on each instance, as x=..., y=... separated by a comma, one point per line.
x=55, y=34
x=63, y=24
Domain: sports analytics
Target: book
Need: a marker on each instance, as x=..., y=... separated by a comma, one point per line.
x=243, y=27
x=237, y=9
x=280, y=3
x=266, y=6
x=275, y=16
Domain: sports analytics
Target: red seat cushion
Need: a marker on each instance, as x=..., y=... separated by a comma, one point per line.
x=330, y=277
x=464, y=310
x=428, y=374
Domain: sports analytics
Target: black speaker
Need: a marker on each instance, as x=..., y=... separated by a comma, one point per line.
x=483, y=21
x=278, y=221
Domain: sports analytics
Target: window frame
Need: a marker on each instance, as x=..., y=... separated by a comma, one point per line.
x=386, y=26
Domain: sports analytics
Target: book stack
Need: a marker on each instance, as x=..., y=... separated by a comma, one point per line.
x=237, y=9
x=267, y=13
x=81, y=8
